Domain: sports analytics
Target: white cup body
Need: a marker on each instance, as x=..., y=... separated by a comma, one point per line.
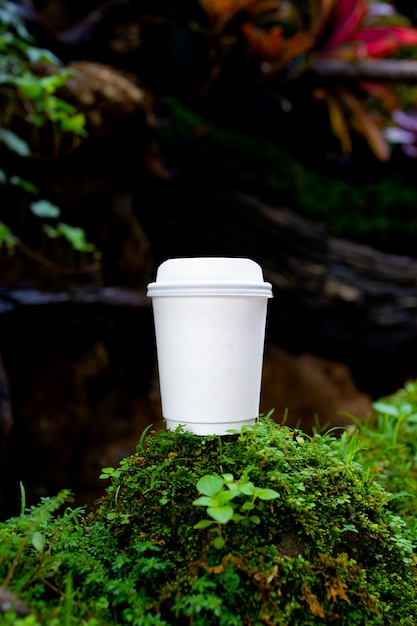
x=210, y=345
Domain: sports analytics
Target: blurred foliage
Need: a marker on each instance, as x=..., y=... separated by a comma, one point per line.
x=29, y=80
x=245, y=77
x=381, y=211
x=241, y=102
x=274, y=49
x=34, y=121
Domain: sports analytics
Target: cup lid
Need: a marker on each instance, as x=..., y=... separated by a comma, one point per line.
x=209, y=276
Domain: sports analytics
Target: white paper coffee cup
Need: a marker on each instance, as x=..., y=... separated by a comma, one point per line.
x=210, y=317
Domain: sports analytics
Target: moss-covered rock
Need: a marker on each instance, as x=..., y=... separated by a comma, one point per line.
x=262, y=527
x=327, y=550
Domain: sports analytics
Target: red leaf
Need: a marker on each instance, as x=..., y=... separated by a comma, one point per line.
x=345, y=21
x=377, y=42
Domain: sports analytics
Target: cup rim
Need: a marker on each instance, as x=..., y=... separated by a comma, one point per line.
x=209, y=288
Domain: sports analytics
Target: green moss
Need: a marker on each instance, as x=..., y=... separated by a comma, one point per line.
x=328, y=550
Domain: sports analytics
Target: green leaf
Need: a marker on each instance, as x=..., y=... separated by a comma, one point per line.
x=248, y=506
x=22, y=498
x=108, y=472
x=75, y=236
x=29, y=86
x=221, y=514
x=24, y=184
x=74, y=124
x=218, y=543
x=14, y=142
x=40, y=55
x=203, y=501
x=248, y=489
x=234, y=488
x=53, y=82
x=10, y=17
x=209, y=484
x=349, y=527
x=223, y=497
x=387, y=409
x=406, y=409
x=205, y=523
x=38, y=541
x=400, y=494
x=44, y=208
x=255, y=519
x=267, y=494
x=50, y=231
x=60, y=107
x=6, y=236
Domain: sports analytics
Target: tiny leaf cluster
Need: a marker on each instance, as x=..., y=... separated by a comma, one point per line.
x=218, y=493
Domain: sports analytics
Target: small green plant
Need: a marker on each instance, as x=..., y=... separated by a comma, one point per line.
x=218, y=495
x=110, y=472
